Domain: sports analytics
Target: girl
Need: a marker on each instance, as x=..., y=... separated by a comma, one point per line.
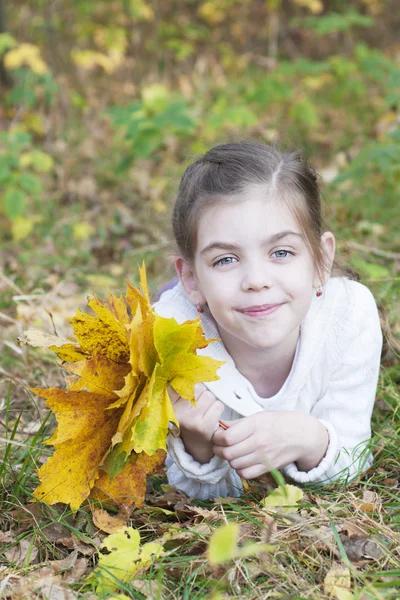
x=302, y=346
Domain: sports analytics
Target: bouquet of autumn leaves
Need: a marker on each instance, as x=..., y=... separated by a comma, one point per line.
x=113, y=419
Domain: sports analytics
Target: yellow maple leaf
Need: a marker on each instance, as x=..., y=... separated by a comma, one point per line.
x=178, y=366
x=113, y=419
x=98, y=374
x=103, y=333
x=119, y=308
x=81, y=441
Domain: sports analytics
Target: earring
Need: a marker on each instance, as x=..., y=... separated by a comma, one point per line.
x=199, y=307
x=318, y=293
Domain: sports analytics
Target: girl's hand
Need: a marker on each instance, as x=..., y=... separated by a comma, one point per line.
x=270, y=440
x=198, y=424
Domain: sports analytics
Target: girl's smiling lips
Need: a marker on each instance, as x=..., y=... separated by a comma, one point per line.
x=261, y=310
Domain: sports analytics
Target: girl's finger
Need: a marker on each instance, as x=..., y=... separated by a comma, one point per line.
x=230, y=453
x=214, y=411
x=237, y=432
x=245, y=461
x=253, y=471
x=199, y=389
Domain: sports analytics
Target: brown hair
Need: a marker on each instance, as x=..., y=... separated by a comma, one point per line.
x=228, y=170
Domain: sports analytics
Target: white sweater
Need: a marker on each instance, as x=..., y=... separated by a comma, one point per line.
x=333, y=378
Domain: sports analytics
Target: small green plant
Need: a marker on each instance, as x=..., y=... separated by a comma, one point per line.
x=33, y=83
x=21, y=170
x=146, y=123
x=334, y=22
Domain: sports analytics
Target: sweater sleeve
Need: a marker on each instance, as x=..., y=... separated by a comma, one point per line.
x=202, y=481
x=346, y=407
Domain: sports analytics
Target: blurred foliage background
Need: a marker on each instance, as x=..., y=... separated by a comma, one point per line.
x=104, y=103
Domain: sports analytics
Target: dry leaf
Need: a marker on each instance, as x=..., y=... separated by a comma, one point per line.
x=351, y=528
x=83, y=547
x=337, y=582
x=109, y=523
x=65, y=563
x=40, y=339
x=80, y=568
x=370, y=502
x=6, y=537
x=43, y=583
x=52, y=586
x=362, y=548
x=150, y=588
x=21, y=552
x=207, y=514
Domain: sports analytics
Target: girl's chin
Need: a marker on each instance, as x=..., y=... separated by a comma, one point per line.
x=249, y=345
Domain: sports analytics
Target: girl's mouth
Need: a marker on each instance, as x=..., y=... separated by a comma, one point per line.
x=260, y=311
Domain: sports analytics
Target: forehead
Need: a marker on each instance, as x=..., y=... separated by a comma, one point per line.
x=248, y=217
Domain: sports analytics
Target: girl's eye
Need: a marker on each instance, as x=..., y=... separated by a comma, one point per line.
x=282, y=253
x=227, y=260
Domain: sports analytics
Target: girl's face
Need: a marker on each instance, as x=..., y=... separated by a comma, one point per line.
x=254, y=270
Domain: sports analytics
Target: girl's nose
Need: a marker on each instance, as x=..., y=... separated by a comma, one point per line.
x=256, y=277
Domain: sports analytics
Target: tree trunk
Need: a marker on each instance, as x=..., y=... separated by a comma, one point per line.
x=5, y=78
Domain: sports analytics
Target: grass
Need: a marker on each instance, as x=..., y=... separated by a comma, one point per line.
x=43, y=548
x=356, y=528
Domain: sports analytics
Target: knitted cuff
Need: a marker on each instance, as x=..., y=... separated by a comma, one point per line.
x=210, y=472
x=318, y=473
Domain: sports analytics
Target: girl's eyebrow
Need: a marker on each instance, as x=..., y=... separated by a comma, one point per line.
x=276, y=237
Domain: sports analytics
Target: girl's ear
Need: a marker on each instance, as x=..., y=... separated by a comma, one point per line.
x=188, y=280
x=328, y=246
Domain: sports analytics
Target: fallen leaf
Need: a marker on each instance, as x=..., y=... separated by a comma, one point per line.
x=82, y=231
x=79, y=570
x=65, y=563
x=52, y=586
x=126, y=557
x=87, y=548
x=40, y=584
x=370, y=502
x=271, y=528
x=108, y=523
x=323, y=539
x=285, y=498
x=337, y=582
x=362, y=548
x=350, y=528
x=23, y=551
x=207, y=514
x=223, y=545
x=6, y=537
x=150, y=588
x=174, y=533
